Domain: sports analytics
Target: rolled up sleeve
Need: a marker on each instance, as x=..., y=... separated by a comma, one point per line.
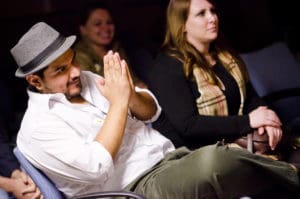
x=158, y=111
x=66, y=152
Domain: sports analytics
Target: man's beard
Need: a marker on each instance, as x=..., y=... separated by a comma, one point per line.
x=69, y=96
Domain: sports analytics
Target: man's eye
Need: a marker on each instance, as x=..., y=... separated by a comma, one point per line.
x=60, y=69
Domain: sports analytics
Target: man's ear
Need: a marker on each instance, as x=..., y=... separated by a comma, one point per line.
x=35, y=81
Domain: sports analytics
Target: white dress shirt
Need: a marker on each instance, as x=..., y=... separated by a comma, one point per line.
x=58, y=138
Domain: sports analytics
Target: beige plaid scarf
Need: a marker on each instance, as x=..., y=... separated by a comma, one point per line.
x=212, y=101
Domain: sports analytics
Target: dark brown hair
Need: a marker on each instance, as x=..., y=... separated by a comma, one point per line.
x=88, y=7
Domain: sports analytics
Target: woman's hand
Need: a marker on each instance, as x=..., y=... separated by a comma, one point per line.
x=262, y=116
x=266, y=121
x=274, y=134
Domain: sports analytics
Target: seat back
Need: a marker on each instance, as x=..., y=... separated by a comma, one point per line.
x=275, y=75
x=50, y=191
x=272, y=69
x=45, y=185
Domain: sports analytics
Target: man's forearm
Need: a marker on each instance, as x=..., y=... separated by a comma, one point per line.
x=112, y=131
x=142, y=106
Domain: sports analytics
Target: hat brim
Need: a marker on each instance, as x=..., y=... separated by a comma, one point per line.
x=62, y=49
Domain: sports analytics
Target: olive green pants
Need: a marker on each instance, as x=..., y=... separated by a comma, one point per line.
x=215, y=171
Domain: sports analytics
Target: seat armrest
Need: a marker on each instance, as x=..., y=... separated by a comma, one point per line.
x=109, y=194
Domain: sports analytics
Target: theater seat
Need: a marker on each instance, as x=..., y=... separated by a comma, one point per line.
x=49, y=191
x=275, y=75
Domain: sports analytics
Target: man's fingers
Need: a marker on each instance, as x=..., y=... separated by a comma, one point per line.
x=37, y=194
x=124, y=68
x=105, y=58
x=29, y=189
x=117, y=60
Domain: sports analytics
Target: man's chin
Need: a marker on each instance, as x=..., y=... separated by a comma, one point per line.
x=71, y=95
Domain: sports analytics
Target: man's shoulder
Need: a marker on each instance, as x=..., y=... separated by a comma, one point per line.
x=35, y=117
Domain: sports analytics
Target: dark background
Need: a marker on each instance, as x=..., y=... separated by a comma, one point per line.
x=247, y=24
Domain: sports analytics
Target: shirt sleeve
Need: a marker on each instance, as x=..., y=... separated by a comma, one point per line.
x=175, y=96
x=158, y=110
x=58, y=148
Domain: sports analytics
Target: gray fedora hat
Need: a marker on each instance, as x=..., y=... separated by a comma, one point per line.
x=38, y=47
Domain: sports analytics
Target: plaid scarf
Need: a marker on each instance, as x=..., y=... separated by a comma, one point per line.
x=212, y=100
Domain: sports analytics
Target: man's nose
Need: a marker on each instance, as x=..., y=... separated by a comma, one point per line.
x=74, y=71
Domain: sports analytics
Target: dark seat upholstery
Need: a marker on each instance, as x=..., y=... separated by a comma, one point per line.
x=275, y=75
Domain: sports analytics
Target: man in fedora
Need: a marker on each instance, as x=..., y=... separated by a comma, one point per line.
x=87, y=133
